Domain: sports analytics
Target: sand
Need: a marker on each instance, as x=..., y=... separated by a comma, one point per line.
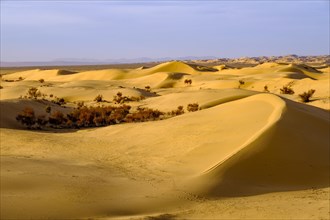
x=246, y=154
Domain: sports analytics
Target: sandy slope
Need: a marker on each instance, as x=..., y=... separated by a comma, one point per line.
x=245, y=155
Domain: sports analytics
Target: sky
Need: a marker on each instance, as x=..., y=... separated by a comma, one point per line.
x=99, y=30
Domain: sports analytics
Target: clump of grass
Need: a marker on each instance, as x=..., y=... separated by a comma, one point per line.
x=305, y=97
x=192, y=107
x=41, y=80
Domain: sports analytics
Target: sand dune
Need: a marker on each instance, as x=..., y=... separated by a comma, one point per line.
x=274, y=162
x=246, y=154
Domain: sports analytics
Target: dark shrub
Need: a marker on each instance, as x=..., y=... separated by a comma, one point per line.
x=42, y=120
x=59, y=101
x=305, y=97
x=178, y=111
x=80, y=104
x=57, y=118
x=99, y=98
x=192, y=107
x=241, y=82
x=287, y=90
x=266, y=89
x=188, y=81
x=27, y=117
x=144, y=114
x=33, y=92
x=48, y=109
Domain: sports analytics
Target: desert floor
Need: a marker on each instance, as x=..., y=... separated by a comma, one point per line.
x=250, y=152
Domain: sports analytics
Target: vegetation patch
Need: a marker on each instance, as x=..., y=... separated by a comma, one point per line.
x=305, y=97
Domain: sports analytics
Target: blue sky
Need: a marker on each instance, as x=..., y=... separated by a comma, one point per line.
x=48, y=30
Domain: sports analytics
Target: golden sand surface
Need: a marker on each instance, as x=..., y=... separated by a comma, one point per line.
x=249, y=152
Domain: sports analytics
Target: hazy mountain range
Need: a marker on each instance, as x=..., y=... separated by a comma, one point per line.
x=73, y=61
x=292, y=58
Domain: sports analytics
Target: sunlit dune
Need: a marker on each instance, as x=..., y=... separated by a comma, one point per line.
x=220, y=142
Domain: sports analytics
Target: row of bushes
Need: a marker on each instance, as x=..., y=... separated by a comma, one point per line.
x=83, y=116
x=305, y=96
x=119, y=98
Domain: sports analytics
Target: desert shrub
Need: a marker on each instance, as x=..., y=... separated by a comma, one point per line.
x=1, y=87
x=192, y=107
x=33, y=92
x=41, y=80
x=178, y=111
x=118, y=114
x=188, y=81
x=241, y=82
x=305, y=97
x=266, y=88
x=287, y=90
x=59, y=101
x=92, y=116
x=57, y=118
x=119, y=98
x=144, y=114
x=98, y=116
x=41, y=120
x=99, y=98
x=136, y=98
x=20, y=78
x=80, y=104
x=51, y=95
x=27, y=117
